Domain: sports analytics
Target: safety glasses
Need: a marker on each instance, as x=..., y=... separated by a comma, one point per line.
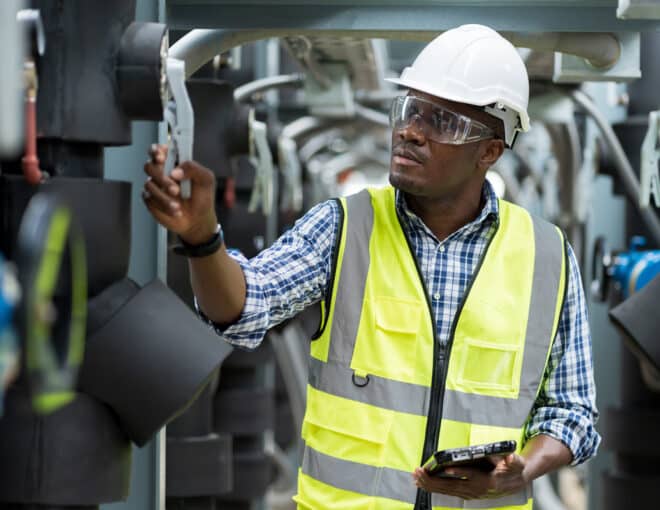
x=440, y=124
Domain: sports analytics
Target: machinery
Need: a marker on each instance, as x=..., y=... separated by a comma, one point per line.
x=630, y=270
x=101, y=356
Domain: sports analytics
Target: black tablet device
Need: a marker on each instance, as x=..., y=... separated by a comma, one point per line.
x=469, y=456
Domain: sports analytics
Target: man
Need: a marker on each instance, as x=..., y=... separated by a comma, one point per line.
x=449, y=318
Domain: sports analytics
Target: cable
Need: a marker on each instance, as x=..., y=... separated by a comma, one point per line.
x=244, y=92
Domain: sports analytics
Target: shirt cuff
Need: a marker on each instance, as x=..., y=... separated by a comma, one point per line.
x=250, y=328
x=576, y=431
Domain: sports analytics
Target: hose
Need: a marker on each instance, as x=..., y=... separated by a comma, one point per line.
x=30, y=161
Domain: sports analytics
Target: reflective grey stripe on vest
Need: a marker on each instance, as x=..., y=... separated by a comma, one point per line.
x=338, y=380
x=335, y=377
x=539, y=336
x=353, y=277
x=391, y=483
x=513, y=412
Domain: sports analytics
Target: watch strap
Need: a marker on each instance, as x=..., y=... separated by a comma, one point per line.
x=203, y=249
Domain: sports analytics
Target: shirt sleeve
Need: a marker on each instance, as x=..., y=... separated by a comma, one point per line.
x=285, y=278
x=565, y=408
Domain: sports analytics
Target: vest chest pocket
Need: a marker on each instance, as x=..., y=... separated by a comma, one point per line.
x=489, y=368
x=389, y=347
x=488, y=348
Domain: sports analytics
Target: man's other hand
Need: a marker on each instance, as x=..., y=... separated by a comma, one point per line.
x=193, y=219
x=506, y=478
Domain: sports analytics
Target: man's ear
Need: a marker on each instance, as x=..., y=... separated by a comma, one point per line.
x=490, y=153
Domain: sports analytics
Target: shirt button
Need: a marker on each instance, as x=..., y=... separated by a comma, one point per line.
x=436, y=296
x=441, y=249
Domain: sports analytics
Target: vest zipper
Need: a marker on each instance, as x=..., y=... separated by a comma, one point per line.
x=440, y=364
x=423, y=498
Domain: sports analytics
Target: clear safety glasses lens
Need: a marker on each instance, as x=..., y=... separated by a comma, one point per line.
x=440, y=125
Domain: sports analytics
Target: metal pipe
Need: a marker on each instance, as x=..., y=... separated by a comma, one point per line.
x=601, y=50
x=302, y=126
x=11, y=104
x=199, y=46
x=30, y=161
x=289, y=162
x=317, y=143
x=371, y=115
x=244, y=92
x=626, y=172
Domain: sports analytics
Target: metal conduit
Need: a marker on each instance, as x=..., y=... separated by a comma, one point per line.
x=623, y=166
x=244, y=92
x=303, y=125
x=602, y=50
x=199, y=46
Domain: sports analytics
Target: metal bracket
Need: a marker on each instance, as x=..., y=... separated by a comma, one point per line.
x=650, y=177
x=31, y=22
x=262, y=160
x=638, y=9
x=572, y=69
x=334, y=98
x=180, y=118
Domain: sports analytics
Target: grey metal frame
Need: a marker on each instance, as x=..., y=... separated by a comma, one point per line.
x=392, y=15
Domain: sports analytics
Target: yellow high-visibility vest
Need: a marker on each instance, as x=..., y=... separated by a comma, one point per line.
x=384, y=394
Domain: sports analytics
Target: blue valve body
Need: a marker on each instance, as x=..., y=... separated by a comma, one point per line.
x=8, y=343
x=633, y=269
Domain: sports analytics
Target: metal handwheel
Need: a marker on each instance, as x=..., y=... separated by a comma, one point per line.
x=52, y=316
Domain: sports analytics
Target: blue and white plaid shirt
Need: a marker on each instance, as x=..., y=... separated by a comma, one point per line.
x=294, y=273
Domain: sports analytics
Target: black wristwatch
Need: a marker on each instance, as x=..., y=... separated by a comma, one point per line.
x=203, y=249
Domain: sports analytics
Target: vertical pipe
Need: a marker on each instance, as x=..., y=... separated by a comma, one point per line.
x=30, y=161
x=160, y=459
x=10, y=85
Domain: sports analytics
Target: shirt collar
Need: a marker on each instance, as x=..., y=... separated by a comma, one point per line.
x=488, y=214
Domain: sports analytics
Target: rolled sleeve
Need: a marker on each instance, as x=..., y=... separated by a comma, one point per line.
x=285, y=278
x=566, y=406
x=571, y=426
x=250, y=328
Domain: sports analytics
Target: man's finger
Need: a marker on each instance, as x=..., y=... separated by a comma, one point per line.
x=155, y=172
x=156, y=206
x=162, y=200
x=158, y=153
x=162, y=217
x=447, y=486
x=421, y=474
x=460, y=473
x=514, y=461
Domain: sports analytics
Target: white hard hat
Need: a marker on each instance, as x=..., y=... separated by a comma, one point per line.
x=475, y=65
